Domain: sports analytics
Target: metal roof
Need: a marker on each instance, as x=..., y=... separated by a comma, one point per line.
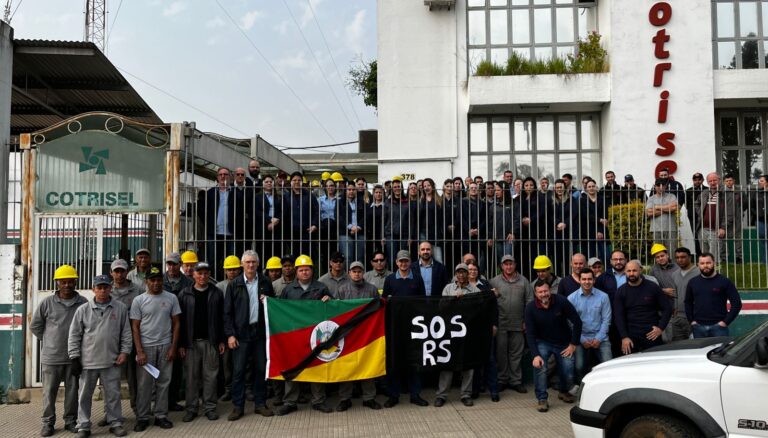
x=54, y=80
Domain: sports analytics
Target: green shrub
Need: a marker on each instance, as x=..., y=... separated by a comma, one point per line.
x=515, y=64
x=628, y=230
x=590, y=56
x=488, y=68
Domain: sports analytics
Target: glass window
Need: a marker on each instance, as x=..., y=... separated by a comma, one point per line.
x=520, y=26
x=476, y=28
x=542, y=145
x=523, y=135
x=729, y=131
x=476, y=56
x=740, y=39
x=500, y=133
x=740, y=146
x=498, y=2
x=754, y=158
x=542, y=25
x=564, y=18
x=499, y=56
x=567, y=133
x=498, y=26
x=474, y=3
x=730, y=162
x=478, y=135
x=752, y=130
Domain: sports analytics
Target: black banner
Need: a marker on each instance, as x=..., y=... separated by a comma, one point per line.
x=439, y=333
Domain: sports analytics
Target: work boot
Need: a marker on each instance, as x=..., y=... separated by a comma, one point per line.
x=542, y=406
x=47, y=430
x=343, y=405
x=263, y=410
x=286, y=409
x=118, y=431
x=372, y=404
x=235, y=415
x=566, y=397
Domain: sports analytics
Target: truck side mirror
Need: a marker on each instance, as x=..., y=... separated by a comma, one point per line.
x=761, y=350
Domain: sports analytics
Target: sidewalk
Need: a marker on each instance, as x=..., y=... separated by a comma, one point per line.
x=514, y=415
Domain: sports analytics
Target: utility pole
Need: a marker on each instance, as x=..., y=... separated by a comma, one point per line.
x=96, y=23
x=7, y=12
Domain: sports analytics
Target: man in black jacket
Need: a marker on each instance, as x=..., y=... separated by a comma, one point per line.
x=245, y=331
x=201, y=340
x=429, y=271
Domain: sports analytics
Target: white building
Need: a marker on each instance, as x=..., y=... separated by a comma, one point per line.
x=437, y=119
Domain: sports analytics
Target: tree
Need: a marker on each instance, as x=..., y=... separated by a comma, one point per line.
x=362, y=80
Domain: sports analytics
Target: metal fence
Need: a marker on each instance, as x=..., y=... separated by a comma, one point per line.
x=486, y=221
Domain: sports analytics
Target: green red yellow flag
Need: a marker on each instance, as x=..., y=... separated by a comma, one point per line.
x=323, y=342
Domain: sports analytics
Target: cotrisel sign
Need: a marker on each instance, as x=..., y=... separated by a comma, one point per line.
x=97, y=171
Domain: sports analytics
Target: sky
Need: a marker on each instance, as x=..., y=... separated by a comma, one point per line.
x=241, y=67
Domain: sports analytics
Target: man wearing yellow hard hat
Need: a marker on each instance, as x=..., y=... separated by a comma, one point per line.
x=666, y=273
x=232, y=269
x=188, y=262
x=273, y=269
x=288, y=274
x=50, y=323
x=542, y=265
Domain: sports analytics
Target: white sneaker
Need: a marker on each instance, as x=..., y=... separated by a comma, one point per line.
x=574, y=391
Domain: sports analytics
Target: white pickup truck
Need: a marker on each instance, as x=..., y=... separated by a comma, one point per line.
x=716, y=387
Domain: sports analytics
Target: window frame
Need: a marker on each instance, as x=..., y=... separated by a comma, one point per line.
x=741, y=147
x=737, y=40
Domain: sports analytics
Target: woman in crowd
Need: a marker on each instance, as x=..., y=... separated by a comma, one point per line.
x=528, y=206
x=430, y=218
x=593, y=222
x=565, y=211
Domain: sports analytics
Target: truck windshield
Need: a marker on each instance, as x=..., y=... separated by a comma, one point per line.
x=736, y=348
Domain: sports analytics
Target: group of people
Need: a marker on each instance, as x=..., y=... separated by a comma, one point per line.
x=161, y=330
x=522, y=217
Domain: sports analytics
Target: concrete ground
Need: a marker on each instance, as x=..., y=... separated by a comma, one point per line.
x=515, y=415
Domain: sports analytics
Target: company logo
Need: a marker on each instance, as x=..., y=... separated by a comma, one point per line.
x=94, y=160
x=322, y=333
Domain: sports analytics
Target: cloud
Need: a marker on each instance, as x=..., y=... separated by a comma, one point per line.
x=214, y=23
x=249, y=19
x=292, y=62
x=306, y=16
x=354, y=32
x=214, y=40
x=174, y=8
x=282, y=27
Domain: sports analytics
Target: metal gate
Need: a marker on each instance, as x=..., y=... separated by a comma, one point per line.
x=89, y=243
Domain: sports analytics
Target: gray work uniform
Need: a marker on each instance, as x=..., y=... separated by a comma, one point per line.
x=446, y=377
x=679, y=328
x=99, y=333
x=137, y=278
x=226, y=358
x=663, y=227
x=333, y=283
x=510, y=341
x=156, y=314
x=279, y=285
x=349, y=291
x=376, y=279
x=125, y=295
x=50, y=323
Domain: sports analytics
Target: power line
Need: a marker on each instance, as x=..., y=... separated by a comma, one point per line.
x=14, y=11
x=181, y=101
x=322, y=146
x=319, y=67
x=112, y=27
x=338, y=73
x=274, y=70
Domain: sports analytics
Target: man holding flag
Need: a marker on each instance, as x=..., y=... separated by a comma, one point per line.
x=304, y=287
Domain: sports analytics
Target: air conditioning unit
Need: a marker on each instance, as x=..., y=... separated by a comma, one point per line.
x=437, y=5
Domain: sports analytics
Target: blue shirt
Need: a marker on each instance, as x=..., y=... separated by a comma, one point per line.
x=426, y=275
x=410, y=274
x=221, y=215
x=327, y=207
x=621, y=279
x=595, y=313
x=253, y=298
x=271, y=202
x=353, y=217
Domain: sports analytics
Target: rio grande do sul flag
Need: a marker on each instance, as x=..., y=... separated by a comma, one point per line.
x=335, y=341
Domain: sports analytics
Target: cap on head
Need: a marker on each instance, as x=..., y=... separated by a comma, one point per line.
x=461, y=267
x=65, y=272
x=541, y=262
x=202, y=266
x=274, y=263
x=593, y=260
x=287, y=258
x=403, y=255
x=661, y=181
x=189, y=257
x=303, y=260
x=143, y=251
x=507, y=258
x=118, y=264
x=154, y=272
x=356, y=265
x=174, y=258
x=232, y=262
x=102, y=279
x=337, y=257
x=657, y=248
x=628, y=177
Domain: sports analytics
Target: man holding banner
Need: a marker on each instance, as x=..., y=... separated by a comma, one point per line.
x=457, y=289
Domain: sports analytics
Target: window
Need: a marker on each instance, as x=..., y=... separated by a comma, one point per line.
x=740, y=31
x=535, y=29
x=535, y=145
x=741, y=144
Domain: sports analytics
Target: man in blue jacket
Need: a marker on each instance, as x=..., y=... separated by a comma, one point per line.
x=431, y=272
x=218, y=217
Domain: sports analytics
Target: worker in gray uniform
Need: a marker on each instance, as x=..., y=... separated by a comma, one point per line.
x=155, y=323
x=99, y=344
x=50, y=323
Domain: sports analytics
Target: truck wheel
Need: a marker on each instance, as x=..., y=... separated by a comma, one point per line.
x=659, y=426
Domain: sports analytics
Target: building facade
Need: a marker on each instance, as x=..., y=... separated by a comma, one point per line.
x=686, y=88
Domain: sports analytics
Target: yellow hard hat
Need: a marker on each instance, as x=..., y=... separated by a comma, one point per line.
x=325, y=176
x=274, y=263
x=303, y=260
x=657, y=247
x=397, y=178
x=231, y=262
x=542, y=262
x=337, y=177
x=304, y=179
x=315, y=183
x=189, y=257
x=64, y=272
